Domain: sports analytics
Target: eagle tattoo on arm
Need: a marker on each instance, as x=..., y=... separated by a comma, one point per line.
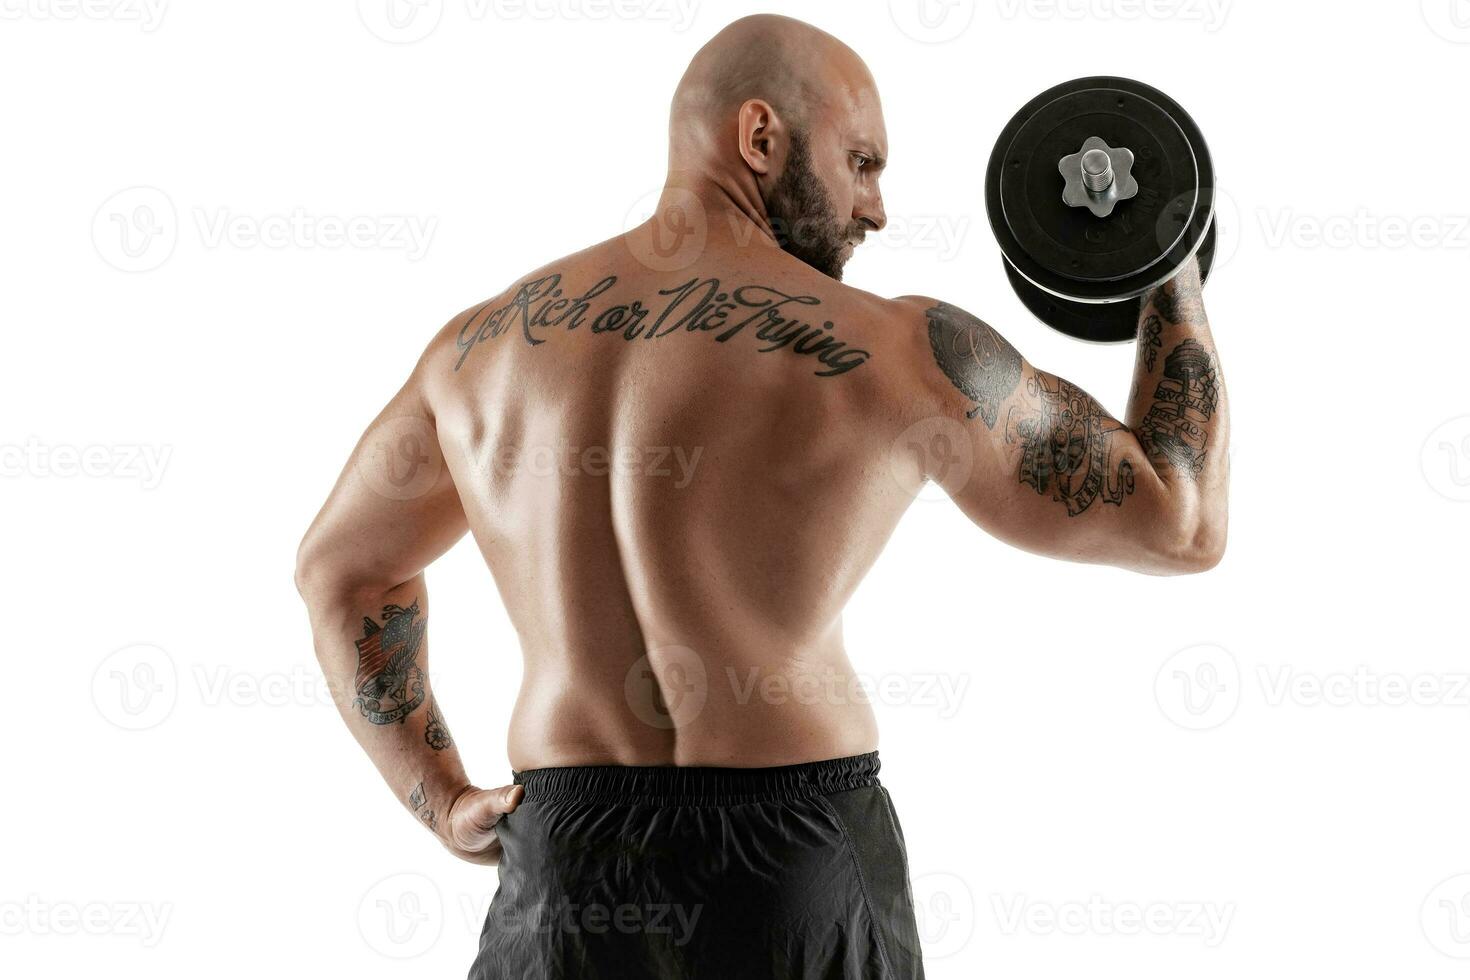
x=390, y=684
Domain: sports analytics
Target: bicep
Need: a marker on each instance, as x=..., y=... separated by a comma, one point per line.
x=1050, y=470
x=394, y=508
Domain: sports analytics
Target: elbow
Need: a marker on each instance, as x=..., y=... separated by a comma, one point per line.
x=1194, y=549
x=318, y=581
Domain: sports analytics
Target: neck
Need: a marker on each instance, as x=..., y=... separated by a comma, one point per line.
x=732, y=205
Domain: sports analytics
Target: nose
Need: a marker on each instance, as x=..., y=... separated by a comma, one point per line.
x=869, y=211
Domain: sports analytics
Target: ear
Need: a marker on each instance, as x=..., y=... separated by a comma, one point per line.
x=761, y=134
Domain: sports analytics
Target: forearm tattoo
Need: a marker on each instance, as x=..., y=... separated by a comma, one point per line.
x=389, y=683
x=1184, y=402
x=977, y=360
x=1178, y=301
x=774, y=319
x=418, y=802
x=1150, y=339
x=436, y=733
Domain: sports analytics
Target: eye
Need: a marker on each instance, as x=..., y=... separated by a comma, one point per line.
x=862, y=161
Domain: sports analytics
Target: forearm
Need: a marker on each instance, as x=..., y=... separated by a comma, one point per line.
x=1178, y=408
x=373, y=648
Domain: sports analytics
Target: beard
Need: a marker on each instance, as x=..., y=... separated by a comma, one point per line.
x=803, y=218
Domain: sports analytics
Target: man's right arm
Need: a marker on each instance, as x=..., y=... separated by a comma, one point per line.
x=1050, y=471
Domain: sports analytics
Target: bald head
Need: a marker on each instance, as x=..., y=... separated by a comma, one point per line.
x=796, y=68
x=783, y=119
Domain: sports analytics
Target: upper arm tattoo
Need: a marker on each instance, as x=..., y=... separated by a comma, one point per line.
x=389, y=681
x=1067, y=446
x=977, y=360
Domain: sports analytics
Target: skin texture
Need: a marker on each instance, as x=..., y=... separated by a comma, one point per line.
x=680, y=450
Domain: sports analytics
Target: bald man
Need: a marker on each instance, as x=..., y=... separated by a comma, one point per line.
x=679, y=451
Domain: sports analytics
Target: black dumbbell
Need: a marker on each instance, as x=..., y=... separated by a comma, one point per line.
x=1098, y=190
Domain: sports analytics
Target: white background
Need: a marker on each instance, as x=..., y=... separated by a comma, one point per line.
x=1225, y=756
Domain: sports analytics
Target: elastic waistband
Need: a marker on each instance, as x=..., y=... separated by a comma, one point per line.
x=698, y=785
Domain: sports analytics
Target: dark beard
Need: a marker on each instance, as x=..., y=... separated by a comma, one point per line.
x=802, y=217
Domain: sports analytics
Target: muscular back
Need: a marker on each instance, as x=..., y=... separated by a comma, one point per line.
x=677, y=480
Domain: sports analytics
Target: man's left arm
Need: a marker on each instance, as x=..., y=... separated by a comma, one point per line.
x=360, y=570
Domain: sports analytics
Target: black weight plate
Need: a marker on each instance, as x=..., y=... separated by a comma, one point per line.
x=1073, y=242
x=1140, y=253
x=1103, y=323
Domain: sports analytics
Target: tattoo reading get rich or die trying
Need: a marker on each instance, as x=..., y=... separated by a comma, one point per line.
x=770, y=316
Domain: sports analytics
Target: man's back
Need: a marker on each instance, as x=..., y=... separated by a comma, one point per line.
x=679, y=452
x=677, y=476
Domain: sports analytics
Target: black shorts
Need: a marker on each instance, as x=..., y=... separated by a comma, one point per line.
x=702, y=873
